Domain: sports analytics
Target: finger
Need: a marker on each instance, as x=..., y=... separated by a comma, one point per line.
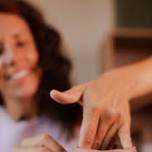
x=31, y=149
x=43, y=140
x=110, y=135
x=88, y=128
x=70, y=96
x=105, y=124
x=133, y=149
x=86, y=150
x=125, y=135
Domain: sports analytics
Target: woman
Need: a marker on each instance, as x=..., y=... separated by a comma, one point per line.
x=32, y=63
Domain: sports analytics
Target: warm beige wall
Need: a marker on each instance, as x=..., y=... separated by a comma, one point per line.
x=84, y=24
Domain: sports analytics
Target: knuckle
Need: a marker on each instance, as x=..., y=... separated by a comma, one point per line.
x=96, y=108
x=112, y=115
x=88, y=142
x=125, y=119
x=107, y=115
x=97, y=144
x=117, y=116
x=90, y=133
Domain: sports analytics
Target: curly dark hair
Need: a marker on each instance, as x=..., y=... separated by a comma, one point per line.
x=55, y=66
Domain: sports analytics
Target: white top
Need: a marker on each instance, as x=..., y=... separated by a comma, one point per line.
x=12, y=132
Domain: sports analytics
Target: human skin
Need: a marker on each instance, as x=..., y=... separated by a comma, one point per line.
x=45, y=143
x=106, y=103
x=41, y=143
x=133, y=149
x=19, y=71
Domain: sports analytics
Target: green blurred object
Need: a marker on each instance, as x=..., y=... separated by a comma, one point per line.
x=134, y=13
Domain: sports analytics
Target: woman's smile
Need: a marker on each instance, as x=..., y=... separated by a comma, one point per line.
x=20, y=75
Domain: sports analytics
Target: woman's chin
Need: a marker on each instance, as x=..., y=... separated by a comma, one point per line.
x=25, y=93
x=25, y=89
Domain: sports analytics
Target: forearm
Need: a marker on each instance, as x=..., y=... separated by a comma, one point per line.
x=142, y=76
x=135, y=79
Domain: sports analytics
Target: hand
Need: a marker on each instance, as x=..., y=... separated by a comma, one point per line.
x=106, y=109
x=42, y=143
x=133, y=149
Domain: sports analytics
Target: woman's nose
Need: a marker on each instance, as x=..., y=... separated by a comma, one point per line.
x=8, y=56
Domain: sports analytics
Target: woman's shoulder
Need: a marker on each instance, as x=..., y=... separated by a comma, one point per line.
x=3, y=113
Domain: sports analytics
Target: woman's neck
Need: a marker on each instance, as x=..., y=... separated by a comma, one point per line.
x=21, y=108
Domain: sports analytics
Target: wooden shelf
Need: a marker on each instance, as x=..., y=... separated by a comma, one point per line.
x=125, y=46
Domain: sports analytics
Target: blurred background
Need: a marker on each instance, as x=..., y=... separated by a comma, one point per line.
x=84, y=25
x=104, y=34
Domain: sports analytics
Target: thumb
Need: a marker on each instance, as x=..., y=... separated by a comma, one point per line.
x=70, y=96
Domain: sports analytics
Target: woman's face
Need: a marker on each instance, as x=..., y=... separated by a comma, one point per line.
x=19, y=71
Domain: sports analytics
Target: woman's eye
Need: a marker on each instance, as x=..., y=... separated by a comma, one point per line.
x=20, y=43
x=1, y=48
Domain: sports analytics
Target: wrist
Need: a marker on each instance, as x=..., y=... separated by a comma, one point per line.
x=142, y=78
